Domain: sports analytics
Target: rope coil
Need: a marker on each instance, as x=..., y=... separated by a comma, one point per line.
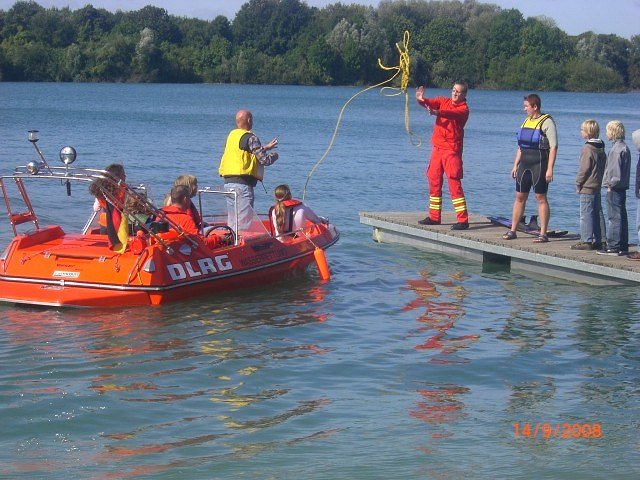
x=401, y=69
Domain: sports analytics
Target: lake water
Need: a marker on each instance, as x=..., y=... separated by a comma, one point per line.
x=406, y=364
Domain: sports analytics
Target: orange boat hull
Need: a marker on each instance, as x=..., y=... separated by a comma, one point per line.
x=49, y=267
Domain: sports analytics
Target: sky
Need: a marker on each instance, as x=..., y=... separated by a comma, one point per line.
x=621, y=17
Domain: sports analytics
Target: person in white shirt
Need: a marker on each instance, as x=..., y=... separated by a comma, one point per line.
x=288, y=214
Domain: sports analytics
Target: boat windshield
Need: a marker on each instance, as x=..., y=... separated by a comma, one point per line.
x=220, y=208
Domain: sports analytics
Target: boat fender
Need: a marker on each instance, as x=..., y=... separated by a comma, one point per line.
x=321, y=263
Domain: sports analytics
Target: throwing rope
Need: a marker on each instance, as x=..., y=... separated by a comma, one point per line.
x=401, y=69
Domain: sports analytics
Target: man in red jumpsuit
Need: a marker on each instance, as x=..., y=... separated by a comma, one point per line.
x=446, y=157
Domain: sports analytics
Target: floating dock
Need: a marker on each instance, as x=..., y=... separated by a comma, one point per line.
x=483, y=242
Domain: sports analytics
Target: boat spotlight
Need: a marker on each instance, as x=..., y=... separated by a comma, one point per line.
x=33, y=136
x=68, y=155
x=33, y=168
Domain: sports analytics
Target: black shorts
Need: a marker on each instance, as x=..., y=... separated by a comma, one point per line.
x=532, y=171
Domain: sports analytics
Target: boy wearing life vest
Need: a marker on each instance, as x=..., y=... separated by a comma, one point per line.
x=446, y=154
x=533, y=165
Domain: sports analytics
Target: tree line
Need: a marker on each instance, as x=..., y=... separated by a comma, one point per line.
x=288, y=42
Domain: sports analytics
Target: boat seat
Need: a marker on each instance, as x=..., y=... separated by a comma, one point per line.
x=39, y=236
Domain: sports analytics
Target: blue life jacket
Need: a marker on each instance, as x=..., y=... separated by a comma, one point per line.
x=531, y=135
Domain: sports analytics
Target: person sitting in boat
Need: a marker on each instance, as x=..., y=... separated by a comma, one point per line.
x=288, y=214
x=179, y=213
x=191, y=182
x=99, y=186
x=110, y=218
x=138, y=211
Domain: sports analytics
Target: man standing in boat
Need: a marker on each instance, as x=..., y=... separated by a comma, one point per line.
x=446, y=154
x=242, y=166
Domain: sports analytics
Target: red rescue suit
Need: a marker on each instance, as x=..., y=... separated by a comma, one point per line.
x=184, y=219
x=446, y=155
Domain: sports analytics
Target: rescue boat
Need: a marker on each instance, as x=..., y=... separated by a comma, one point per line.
x=69, y=265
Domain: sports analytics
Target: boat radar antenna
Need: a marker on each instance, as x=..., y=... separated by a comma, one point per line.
x=33, y=138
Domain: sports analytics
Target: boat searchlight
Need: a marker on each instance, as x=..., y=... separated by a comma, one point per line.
x=68, y=155
x=33, y=168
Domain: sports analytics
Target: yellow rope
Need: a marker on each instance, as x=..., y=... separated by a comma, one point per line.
x=401, y=68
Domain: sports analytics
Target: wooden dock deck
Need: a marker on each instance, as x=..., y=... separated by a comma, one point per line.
x=483, y=242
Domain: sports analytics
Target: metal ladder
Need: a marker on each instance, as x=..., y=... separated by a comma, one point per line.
x=22, y=217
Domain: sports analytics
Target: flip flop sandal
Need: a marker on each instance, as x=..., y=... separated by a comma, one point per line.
x=510, y=235
x=541, y=239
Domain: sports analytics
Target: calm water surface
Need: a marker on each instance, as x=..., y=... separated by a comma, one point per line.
x=406, y=364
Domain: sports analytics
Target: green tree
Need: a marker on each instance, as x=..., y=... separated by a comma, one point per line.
x=585, y=74
x=443, y=44
x=147, y=61
x=18, y=19
x=270, y=26
x=532, y=73
x=544, y=40
x=634, y=63
x=91, y=23
x=286, y=41
x=112, y=59
x=154, y=18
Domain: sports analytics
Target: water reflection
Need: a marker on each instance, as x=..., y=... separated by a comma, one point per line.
x=443, y=304
x=440, y=304
x=533, y=398
x=440, y=404
x=527, y=326
x=607, y=329
x=222, y=359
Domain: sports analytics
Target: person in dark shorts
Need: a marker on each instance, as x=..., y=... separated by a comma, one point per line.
x=533, y=165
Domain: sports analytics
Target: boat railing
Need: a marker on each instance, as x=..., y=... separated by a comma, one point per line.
x=113, y=189
x=116, y=192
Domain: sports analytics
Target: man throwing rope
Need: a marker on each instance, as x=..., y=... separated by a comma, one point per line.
x=446, y=156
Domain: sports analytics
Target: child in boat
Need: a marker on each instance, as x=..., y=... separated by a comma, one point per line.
x=289, y=215
x=137, y=211
x=100, y=185
x=179, y=213
x=107, y=190
x=191, y=182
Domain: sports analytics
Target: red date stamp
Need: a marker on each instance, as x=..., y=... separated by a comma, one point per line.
x=557, y=430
